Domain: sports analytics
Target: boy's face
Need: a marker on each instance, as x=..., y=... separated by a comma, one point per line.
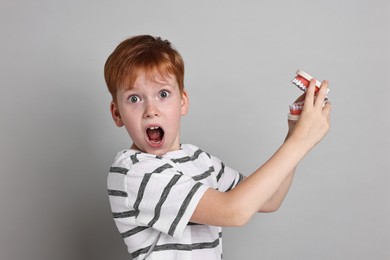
x=151, y=113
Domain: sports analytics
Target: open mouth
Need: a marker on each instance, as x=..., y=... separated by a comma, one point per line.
x=155, y=134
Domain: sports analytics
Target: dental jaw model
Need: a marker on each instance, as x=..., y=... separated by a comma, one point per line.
x=302, y=81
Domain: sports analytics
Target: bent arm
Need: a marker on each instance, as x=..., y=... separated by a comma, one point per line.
x=276, y=200
x=237, y=206
x=268, y=185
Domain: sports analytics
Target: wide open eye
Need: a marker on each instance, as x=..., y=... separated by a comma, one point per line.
x=134, y=99
x=164, y=94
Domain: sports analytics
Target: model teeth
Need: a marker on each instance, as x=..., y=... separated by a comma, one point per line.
x=296, y=106
x=299, y=84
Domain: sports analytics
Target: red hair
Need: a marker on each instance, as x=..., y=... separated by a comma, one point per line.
x=145, y=53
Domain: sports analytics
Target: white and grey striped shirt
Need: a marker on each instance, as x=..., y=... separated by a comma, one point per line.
x=153, y=197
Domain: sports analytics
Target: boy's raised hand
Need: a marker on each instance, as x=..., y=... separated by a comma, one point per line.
x=314, y=121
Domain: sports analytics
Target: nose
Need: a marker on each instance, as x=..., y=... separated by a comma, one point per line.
x=151, y=110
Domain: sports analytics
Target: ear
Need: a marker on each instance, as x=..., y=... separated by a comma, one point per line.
x=184, y=103
x=116, y=114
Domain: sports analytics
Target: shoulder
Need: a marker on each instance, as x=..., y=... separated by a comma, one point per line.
x=189, y=147
x=133, y=160
x=194, y=150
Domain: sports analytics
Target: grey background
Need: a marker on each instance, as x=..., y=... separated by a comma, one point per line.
x=57, y=138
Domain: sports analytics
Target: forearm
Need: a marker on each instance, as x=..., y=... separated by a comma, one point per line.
x=277, y=199
x=270, y=182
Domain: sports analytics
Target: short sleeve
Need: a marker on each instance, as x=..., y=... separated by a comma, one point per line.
x=161, y=196
x=227, y=178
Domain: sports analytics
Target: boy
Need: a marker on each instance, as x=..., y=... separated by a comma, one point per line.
x=169, y=200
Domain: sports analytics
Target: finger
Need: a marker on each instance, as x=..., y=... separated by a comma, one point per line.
x=321, y=96
x=327, y=108
x=309, y=98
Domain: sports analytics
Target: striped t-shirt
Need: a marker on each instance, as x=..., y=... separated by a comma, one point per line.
x=153, y=197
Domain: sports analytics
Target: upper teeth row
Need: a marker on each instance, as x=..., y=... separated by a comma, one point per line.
x=154, y=127
x=299, y=84
x=302, y=87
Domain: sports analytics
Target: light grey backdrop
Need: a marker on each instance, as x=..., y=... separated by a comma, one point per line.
x=57, y=138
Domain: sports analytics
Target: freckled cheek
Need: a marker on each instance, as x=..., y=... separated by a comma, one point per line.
x=136, y=133
x=174, y=117
x=176, y=111
x=132, y=121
